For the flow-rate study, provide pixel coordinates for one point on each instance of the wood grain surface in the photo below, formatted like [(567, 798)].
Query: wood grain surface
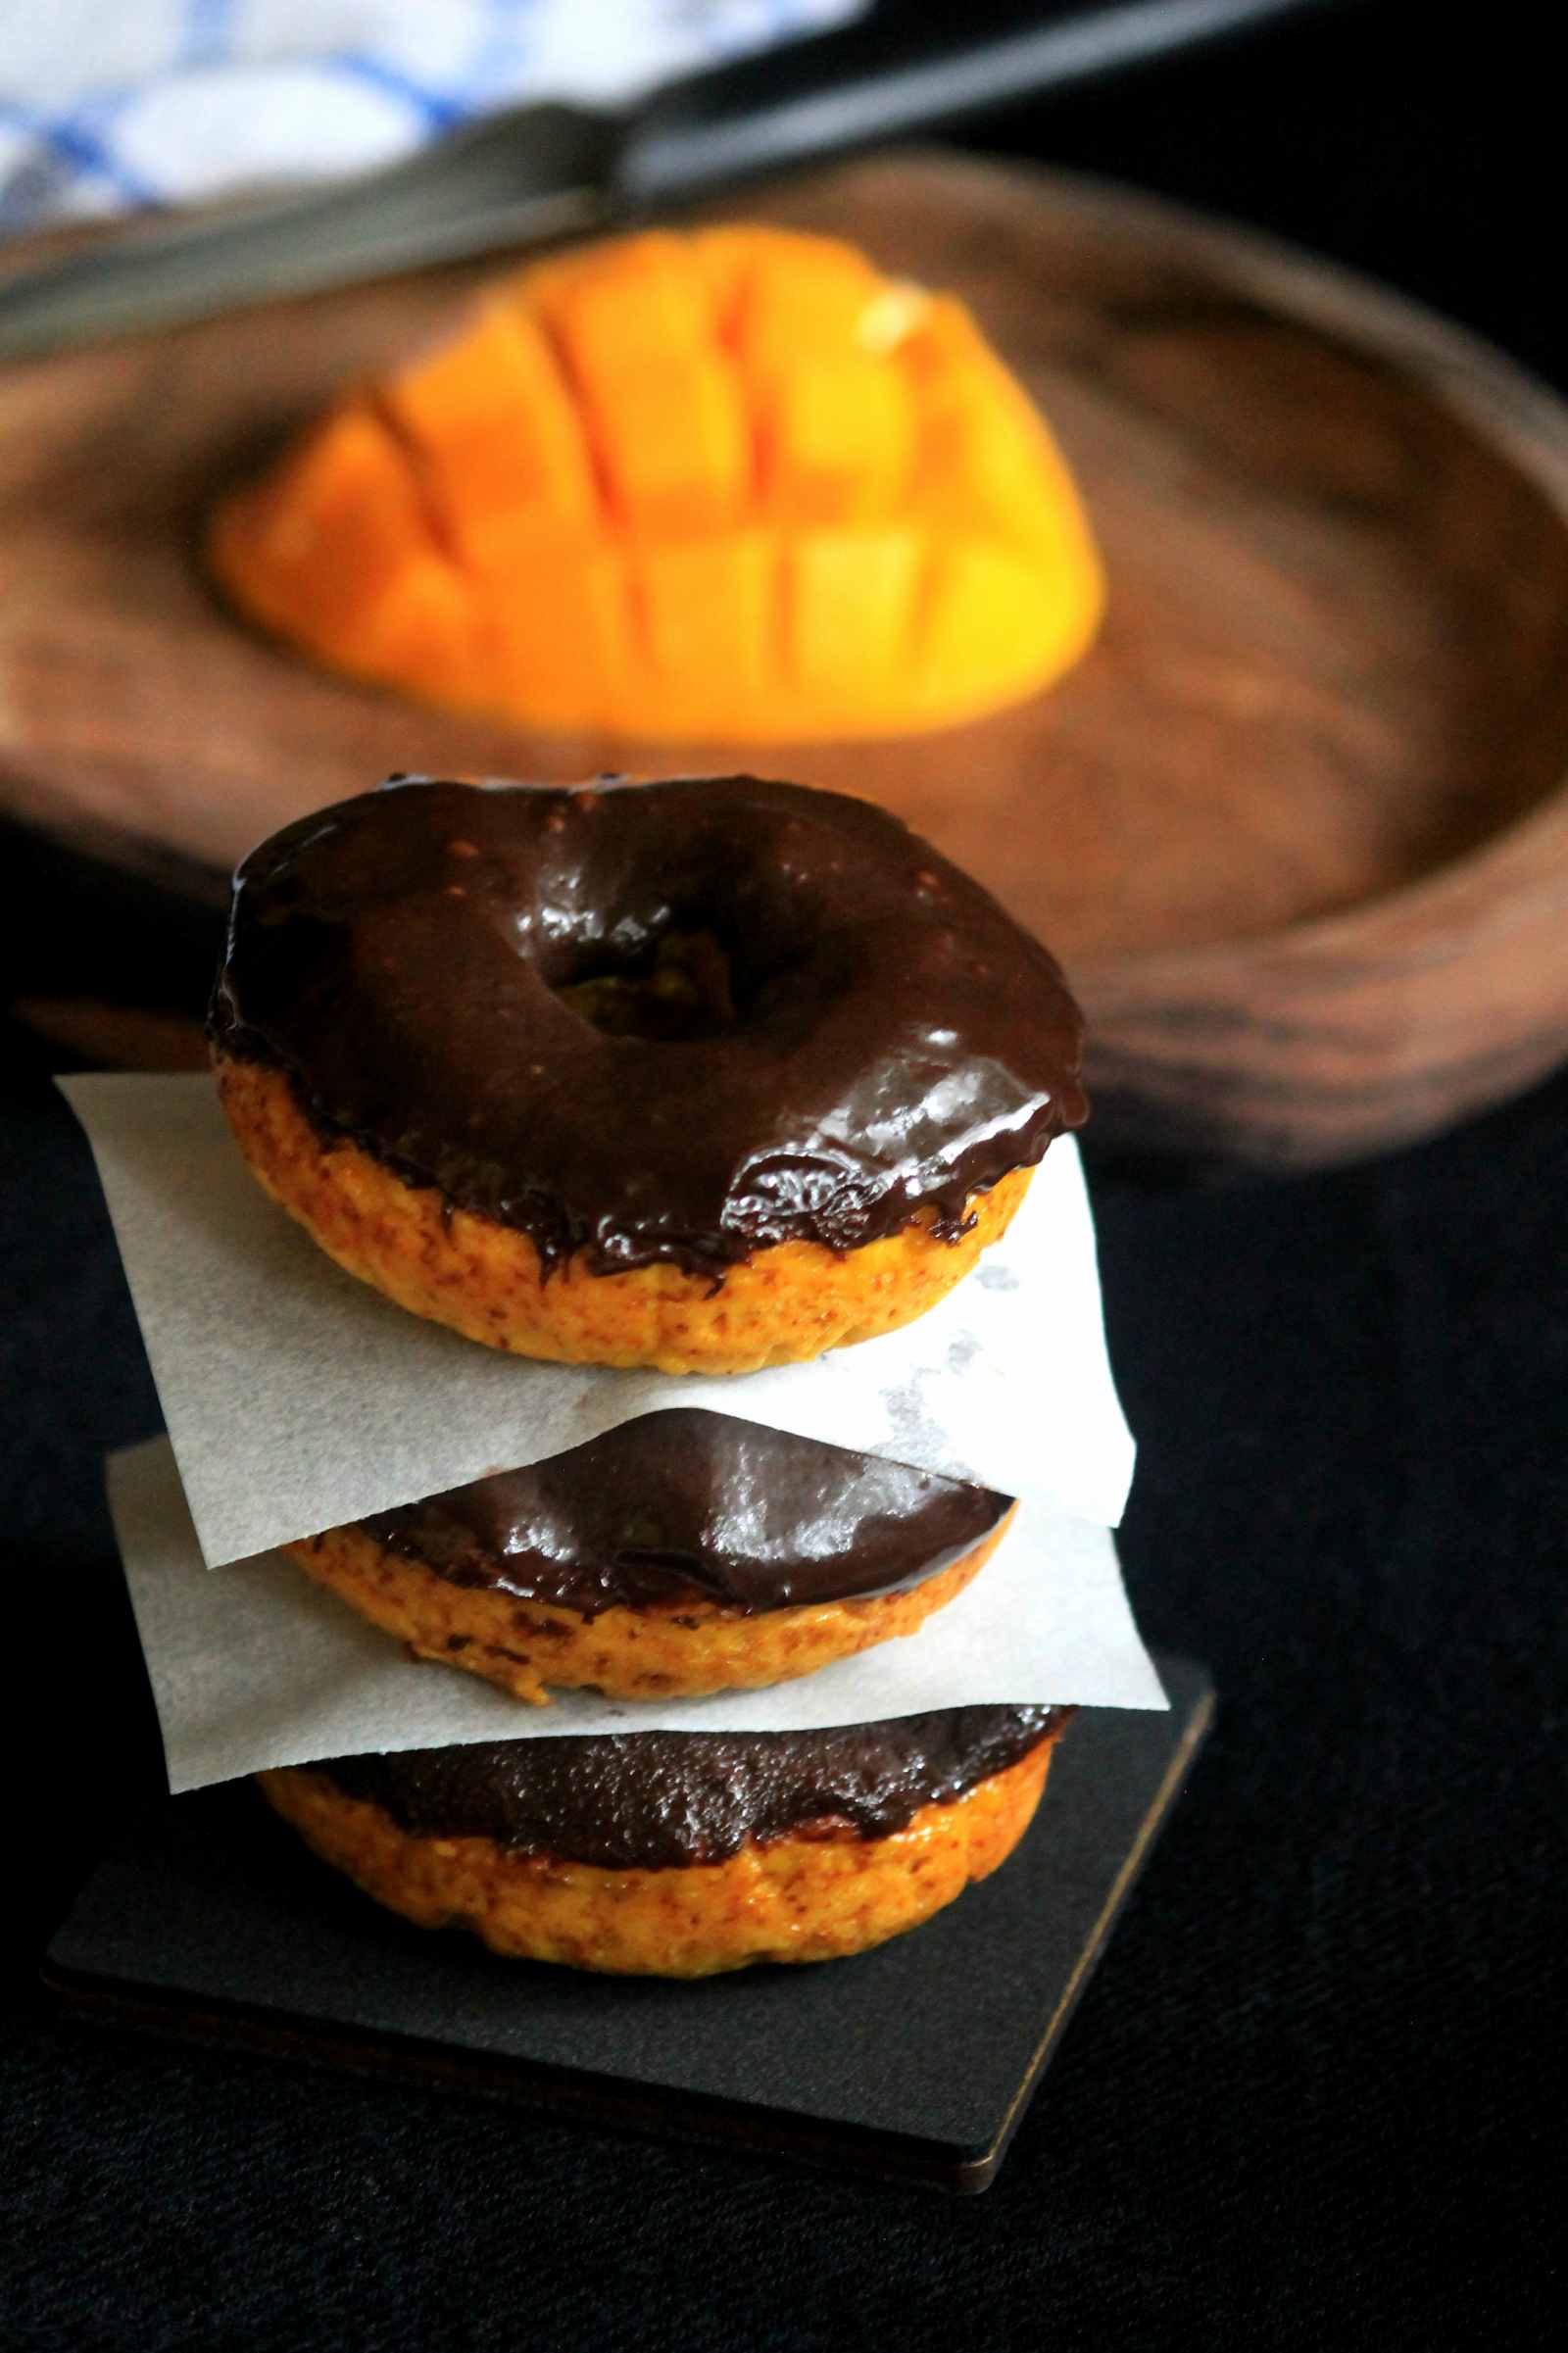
[(1298, 827)]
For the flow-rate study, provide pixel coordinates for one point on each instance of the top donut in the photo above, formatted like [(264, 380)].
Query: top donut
[(705, 1074), (728, 485)]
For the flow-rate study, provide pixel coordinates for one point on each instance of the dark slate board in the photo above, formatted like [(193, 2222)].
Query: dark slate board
[(916, 2060)]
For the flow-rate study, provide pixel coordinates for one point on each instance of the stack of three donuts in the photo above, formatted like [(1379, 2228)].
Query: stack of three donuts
[(692, 1130)]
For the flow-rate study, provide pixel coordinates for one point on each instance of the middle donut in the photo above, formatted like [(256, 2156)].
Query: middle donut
[(681, 1554)]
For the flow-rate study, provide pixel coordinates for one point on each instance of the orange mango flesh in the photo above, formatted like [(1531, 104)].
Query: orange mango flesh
[(730, 484)]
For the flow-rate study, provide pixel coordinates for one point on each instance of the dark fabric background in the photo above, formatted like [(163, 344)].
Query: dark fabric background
[(1307, 2099)]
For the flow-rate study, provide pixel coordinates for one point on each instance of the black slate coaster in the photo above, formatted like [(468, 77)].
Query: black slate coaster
[(916, 2060)]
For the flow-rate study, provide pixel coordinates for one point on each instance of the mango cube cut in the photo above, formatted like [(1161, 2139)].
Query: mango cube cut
[(735, 483)]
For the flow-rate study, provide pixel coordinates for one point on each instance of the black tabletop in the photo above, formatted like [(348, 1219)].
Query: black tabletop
[(1306, 2097)]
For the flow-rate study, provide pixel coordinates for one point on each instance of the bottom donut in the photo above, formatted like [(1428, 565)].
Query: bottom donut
[(682, 1854)]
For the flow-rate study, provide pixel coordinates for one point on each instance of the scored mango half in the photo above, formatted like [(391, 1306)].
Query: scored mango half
[(733, 484)]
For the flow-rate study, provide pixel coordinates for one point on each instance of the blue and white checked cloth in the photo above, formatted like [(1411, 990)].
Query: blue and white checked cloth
[(106, 105)]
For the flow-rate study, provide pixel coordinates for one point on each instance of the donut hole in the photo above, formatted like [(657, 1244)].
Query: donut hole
[(682, 986)]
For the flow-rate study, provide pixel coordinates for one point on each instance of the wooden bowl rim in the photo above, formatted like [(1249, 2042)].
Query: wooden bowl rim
[(1492, 394)]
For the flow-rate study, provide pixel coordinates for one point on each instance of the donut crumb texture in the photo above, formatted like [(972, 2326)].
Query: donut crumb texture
[(788, 1302), (814, 1895), (677, 1649)]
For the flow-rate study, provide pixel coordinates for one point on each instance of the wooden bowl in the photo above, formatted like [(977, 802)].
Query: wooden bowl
[(1298, 827)]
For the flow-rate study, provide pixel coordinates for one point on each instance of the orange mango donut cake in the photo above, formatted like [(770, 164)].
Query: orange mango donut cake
[(730, 484), (682, 1553), (681, 1854), (705, 1075)]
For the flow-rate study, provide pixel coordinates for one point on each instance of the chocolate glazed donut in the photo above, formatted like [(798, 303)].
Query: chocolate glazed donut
[(683, 1853), (682, 1553), (706, 1074)]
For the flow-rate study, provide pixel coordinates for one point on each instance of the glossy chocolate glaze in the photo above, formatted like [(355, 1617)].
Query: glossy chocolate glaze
[(691, 1503), (874, 1037), (654, 1800)]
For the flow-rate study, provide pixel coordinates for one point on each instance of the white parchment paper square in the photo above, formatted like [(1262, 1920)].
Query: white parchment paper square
[(297, 1399), (262, 1667)]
